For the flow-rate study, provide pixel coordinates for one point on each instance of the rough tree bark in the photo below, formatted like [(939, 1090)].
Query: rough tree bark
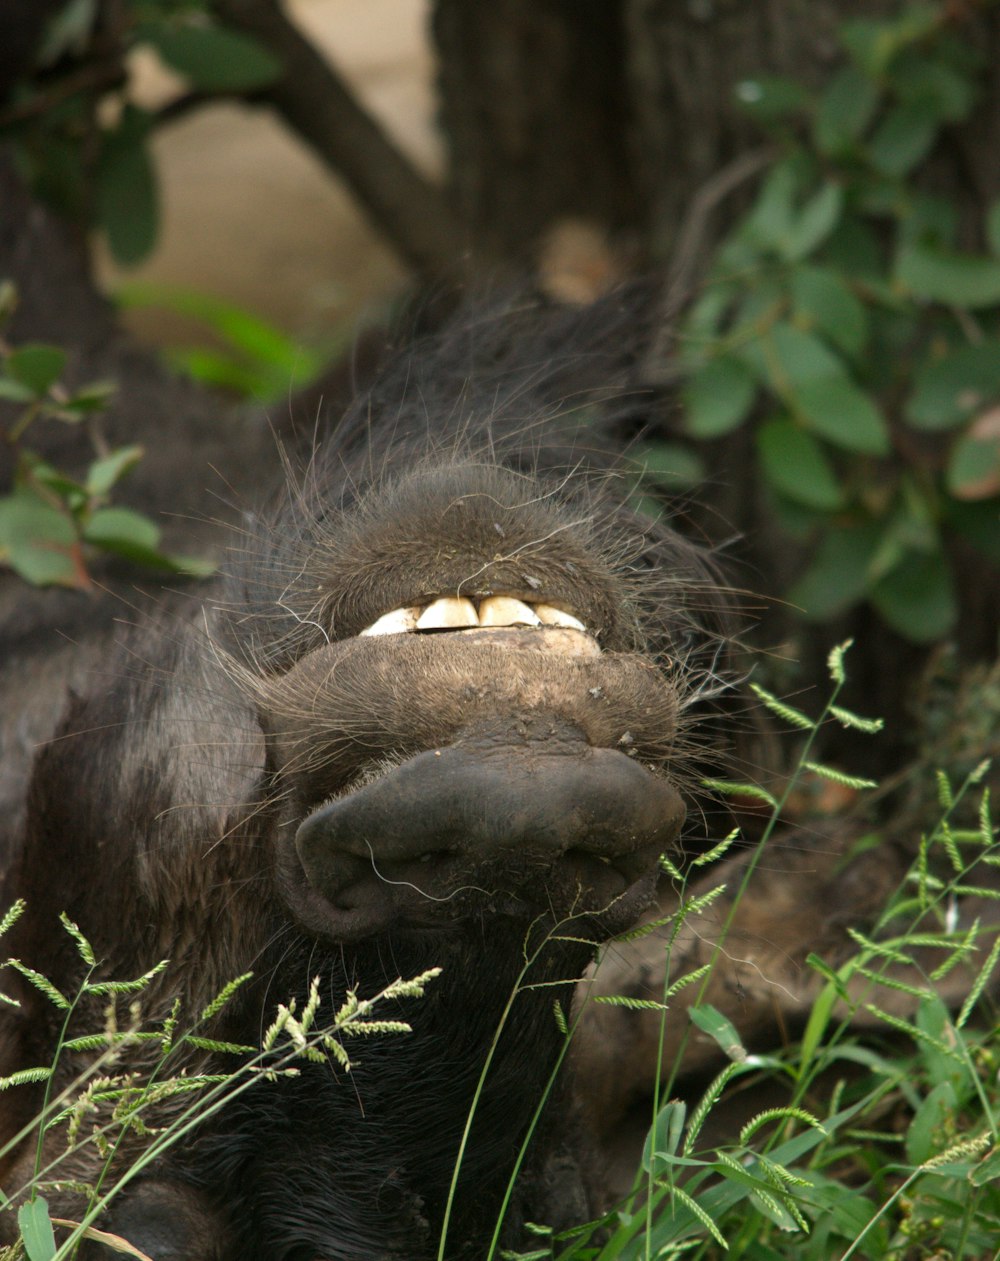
[(620, 111), (534, 107)]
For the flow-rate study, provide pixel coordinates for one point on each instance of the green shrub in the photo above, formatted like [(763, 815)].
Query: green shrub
[(843, 321)]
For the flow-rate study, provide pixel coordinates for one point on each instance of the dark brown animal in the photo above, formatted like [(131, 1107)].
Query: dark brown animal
[(435, 718)]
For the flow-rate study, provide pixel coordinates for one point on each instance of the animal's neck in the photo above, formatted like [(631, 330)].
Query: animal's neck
[(377, 1148)]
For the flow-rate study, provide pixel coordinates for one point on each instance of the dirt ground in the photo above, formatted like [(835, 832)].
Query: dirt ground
[(251, 216)]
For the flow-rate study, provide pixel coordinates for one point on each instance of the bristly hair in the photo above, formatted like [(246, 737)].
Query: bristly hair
[(510, 382)]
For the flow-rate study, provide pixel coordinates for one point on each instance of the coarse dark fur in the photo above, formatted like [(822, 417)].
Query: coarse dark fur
[(161, 812)]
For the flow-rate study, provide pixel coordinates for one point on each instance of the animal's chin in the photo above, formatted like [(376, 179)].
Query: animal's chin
[(467, 832)]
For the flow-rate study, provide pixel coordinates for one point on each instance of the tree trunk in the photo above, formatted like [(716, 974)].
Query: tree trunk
[(620, 111), (534, 105)]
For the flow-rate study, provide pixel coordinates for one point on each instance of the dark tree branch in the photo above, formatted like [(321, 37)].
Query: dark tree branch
[(99, 76), (191, 102), (316, 103)]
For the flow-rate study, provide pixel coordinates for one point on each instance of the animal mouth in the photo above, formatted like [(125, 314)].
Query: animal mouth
[(533, 798)]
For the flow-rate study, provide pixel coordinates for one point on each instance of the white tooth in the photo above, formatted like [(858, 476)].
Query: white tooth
[(398, 622), (556, 617), (504, 610), (448, 612)]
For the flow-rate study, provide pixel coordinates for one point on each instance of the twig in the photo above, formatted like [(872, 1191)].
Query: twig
[(687, 254), (102, 76), (181, 106)]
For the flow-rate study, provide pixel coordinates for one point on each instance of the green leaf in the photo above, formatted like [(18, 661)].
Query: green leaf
[(67, 31), (728, 1168), (796, 465), (718, 397), (103, 474), (823, 299), (259, 340), (854, 249), (707, 312), (845, 110), (711, 1021), (836, 408), (974, 468), (36, 1230), (91, 398), (874, 43), (664, 1136), (848, 1215), (220, 369), (770, 218), (672, 465), (125, 194), (949, 92), (813, 223), (647, 506), (938, 275), (70, 492), (941, 1059), (123, 531), (136, 538), (737, 254), (795, 519), (771, 97), (768, 1204), (786, 356), (904, 137), (917, 597), (838, 574), (214, 59), (266, 361), (877, 196), (36, 367), (813, 381), (15, 392), (37, 541), (987, 1171), (779, 221), (948, 390), (762, 302), (912, 525)]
